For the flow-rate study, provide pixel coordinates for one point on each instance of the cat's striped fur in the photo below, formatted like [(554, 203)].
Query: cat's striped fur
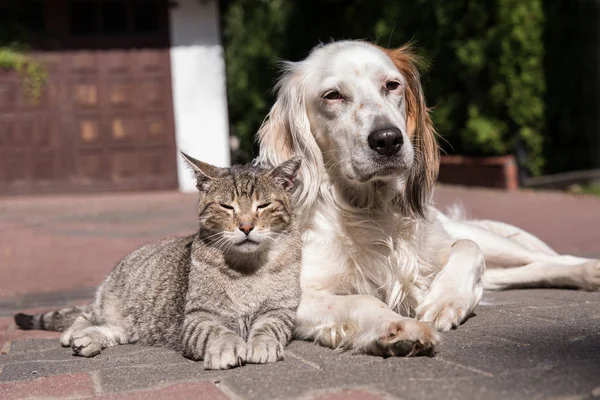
[(227, 294)]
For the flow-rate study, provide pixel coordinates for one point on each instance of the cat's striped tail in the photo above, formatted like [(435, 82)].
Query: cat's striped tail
[(58, 320)]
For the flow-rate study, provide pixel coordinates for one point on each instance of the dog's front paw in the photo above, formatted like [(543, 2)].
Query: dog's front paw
[(589, 275), (262, 350), (448, 310), (340, 335), (443, 316), (405, 338), (225, 352)]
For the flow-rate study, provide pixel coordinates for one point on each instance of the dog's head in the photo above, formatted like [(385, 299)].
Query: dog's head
[(356, 112)]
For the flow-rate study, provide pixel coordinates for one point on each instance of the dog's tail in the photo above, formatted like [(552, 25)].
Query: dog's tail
[(58, 320), (457, 212)]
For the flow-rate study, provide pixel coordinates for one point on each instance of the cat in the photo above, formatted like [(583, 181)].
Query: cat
[(226, 295)]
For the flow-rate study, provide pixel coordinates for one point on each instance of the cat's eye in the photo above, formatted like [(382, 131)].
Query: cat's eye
[(226, 206), (263, 205)]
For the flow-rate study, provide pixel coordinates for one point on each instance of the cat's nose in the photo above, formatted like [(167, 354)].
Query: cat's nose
[(246, 228)]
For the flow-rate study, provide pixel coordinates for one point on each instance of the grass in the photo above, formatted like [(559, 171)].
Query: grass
[(591, 188)]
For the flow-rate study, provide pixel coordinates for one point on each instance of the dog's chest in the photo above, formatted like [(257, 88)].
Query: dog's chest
[(365, 253)]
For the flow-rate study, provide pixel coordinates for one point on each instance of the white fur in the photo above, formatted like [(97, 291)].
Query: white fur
[(369, 266)]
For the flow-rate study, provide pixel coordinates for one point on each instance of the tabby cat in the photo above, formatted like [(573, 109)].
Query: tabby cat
[(227, 294)]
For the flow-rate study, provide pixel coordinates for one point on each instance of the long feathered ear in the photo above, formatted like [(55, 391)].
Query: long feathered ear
[(421, 181), (286, 132)]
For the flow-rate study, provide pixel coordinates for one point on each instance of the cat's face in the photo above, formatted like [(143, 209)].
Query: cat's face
[(244, 209)]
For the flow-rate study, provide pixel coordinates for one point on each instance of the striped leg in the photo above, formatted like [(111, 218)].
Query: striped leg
[(206, 338), (270, 333), (88, 340)]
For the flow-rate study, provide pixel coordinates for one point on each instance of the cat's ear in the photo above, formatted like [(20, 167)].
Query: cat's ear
[(285, 173), (204, 172)]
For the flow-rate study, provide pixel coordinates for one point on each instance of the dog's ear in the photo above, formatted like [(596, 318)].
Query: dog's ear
[(421, 181), (286, 132)]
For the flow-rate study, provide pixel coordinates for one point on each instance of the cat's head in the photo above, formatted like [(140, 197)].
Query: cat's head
[(244, 208)]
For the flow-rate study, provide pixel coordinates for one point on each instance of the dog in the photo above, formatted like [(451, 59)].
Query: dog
[(383, 270)]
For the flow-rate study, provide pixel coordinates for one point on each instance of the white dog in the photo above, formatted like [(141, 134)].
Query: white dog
[(382, 267)]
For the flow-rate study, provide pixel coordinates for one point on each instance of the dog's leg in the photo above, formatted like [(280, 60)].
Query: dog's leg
[(361, 322), (457, 288), (531, 268), (585, 276), (515, 234)]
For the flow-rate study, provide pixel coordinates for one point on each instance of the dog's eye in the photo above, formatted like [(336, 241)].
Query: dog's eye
[(332, 95), (226, 206), (392, 85), (264, 205)]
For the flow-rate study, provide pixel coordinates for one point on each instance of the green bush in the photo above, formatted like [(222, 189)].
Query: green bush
[(14, 51), (32, 73), (572, 140), (254, 38), (486, 81)]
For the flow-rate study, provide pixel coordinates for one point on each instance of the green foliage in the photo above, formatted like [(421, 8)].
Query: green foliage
[(572, 140), (486, 82), (255, 37), (32, 73), (14, 51)]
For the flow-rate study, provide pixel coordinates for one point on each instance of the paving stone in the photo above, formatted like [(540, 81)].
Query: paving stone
[(537, 383), (5, 323), (59, 297), (566, 222), (36, 305), (18, 334), (180, 391), (33, 345), (352, 394), (534, 298), (27, 371), (76, 385), (572, 313), (320, 357), (19, 366), (6, 328), (347, 363), (129, 378), (526, 344), (524, 347), (258, 383)]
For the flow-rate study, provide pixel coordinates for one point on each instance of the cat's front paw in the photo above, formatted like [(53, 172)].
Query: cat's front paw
[(85, 345), (262, 350), (225, 352)]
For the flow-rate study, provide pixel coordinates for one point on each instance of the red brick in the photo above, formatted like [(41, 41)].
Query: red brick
[(61, 386), (7, 327), (4, 343), (23, 335), (5, 323), (352, 394), (62, 261), (500, 172), (179, 391)]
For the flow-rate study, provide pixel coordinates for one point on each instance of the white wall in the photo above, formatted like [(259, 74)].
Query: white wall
[(199, 94)]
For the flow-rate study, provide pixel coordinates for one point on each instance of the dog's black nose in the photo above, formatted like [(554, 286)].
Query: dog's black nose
[(386, 141)]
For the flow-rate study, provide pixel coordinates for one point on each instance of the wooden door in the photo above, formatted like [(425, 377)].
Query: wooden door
[(105, 120)]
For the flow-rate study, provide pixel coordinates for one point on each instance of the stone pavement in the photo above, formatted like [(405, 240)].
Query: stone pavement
[(527, 344)]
